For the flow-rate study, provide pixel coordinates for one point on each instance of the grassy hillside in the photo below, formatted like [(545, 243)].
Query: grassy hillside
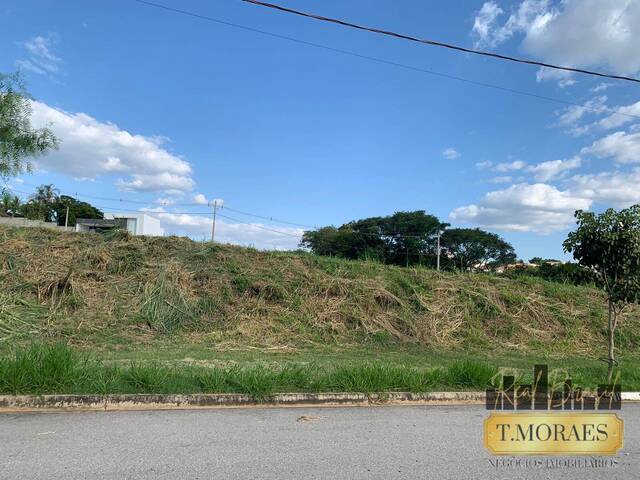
[(173, 315), (114, 291)]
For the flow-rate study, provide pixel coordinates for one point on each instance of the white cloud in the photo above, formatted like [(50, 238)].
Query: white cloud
[(618, 189), (621, 116), (503, 179), (578, 33), (623, 147), (450, 153), (484, 165), (544, 74), (543, 208), (254, 234), (601, 87), (489, 33), (160, 182), (510, 166), (555, 168), (90, 148), (571, 117), (523, 207), (484, 23), (41, 59), (567, 83), (200, 199)]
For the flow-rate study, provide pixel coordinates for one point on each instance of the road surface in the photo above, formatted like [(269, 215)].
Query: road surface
[(274, 443)]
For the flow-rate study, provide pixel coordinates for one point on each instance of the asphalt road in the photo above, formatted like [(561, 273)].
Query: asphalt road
[(326, 443)]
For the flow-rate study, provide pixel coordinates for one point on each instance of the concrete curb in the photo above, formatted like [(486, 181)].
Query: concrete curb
[(9, 403), (31, 403)]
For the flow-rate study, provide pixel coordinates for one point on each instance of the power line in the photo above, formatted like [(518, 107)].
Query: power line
[(272, 219), (437, 43), (259, 226), (378, 59)]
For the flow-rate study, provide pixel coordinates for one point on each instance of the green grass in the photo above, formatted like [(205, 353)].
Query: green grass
[(59, 369)]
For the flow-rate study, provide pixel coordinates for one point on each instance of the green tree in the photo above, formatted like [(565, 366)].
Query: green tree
[(404, 238), (77, 209), (41, 203), (609, 245), (467, 248), (9, 204), (410, 237), (19, 141)]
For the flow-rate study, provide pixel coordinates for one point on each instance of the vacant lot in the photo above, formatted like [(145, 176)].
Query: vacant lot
[(175, 302)]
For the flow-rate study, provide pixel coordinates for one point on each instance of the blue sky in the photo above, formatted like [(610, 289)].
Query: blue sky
[(155, 106)]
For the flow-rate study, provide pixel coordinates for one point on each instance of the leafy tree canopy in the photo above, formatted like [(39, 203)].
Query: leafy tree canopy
[(468, 248), (409, 238), (609, 245), (48, 205), (19, 141), (9, 204), (77, 209), (402, 238)]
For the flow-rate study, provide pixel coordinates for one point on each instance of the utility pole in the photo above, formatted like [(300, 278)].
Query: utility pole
[(66, 219), (213, 226), (438, 256)]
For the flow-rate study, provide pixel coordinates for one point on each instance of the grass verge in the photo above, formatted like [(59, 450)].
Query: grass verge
[(59, 369)]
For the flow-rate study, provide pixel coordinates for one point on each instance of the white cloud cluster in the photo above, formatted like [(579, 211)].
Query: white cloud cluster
[(546, 171), (523, 207), (603, 34), (622, 147), (574, 118), (571, 117), (510, 166), (577, 33), (90, 148), (484, 25), (544, 208), (41, 59), (529, 14), (619, 189), (621, 116)]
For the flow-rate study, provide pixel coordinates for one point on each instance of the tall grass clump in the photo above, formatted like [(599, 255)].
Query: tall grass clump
[(41, 369), (164, 306), (19, 317), (259, 381), (470, 374)]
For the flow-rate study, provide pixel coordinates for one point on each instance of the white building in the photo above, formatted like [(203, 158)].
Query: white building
[(135, 223)]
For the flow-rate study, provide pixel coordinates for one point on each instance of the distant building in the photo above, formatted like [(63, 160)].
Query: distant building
[(134, 223)]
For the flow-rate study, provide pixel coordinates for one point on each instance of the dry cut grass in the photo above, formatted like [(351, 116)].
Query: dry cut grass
[(97, 290)]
